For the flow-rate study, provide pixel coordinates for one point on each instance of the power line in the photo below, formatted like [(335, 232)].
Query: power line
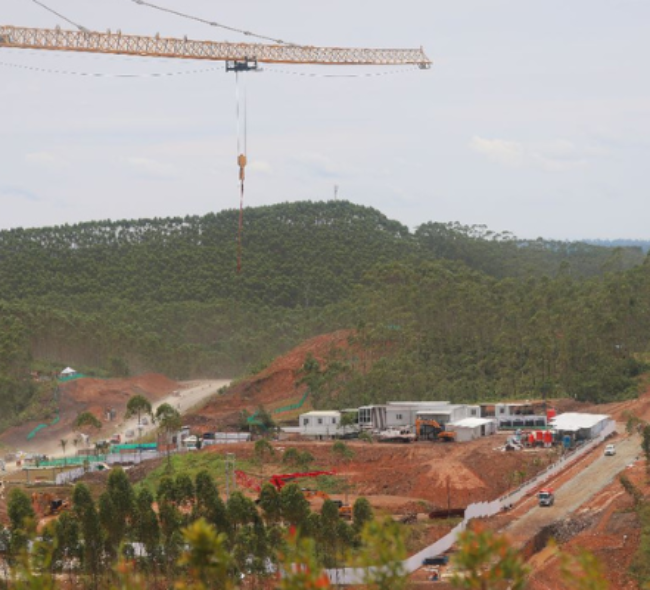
[(65, 18), (102, 75), (212, 23)]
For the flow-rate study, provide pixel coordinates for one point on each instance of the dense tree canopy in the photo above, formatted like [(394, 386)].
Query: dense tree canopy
[(445, 311)]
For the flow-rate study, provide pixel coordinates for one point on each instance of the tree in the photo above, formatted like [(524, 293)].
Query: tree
[(146, 529), (21, 516), (170, 422), (645, 444), (85, 419), (294, 506), (382, 556), (270, 503), (209, 504), (263, 451), (485, 560), (207, 557), (138, 405), (93, 538), (341, 451), (64, 442), (361, 513)]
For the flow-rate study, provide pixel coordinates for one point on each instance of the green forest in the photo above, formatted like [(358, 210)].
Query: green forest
[(445, 311)]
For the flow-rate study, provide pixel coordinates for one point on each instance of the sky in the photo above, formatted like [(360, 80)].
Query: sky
[(534, 118)]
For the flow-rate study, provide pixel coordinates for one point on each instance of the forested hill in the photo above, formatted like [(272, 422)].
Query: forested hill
[(300, 254), (449, 311)]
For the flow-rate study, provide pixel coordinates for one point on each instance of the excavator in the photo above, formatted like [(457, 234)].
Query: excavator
[(429, 429), (45, 504)]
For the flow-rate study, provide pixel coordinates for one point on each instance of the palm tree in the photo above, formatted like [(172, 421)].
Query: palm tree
[(64, 443)]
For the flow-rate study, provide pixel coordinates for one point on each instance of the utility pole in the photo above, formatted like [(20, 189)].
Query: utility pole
[(230, 474)]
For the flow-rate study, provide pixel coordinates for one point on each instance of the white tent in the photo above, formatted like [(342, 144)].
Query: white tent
[(68, 371)]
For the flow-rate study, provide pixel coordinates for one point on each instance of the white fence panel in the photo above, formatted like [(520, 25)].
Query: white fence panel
[(350, 576)]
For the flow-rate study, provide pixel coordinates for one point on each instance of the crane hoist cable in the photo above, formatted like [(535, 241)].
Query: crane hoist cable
[(242, 149), (65, 18), (213, 23)]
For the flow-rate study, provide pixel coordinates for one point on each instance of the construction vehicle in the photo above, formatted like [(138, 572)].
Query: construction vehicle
[(45, 504), (429, 429), (546, 497)]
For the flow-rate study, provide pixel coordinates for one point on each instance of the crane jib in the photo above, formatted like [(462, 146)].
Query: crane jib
[(143, 46)]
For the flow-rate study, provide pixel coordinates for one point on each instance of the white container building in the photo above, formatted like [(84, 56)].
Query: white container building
[(320, 424)]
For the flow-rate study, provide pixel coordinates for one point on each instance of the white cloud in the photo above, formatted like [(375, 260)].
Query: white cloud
[(260, 166), (47, 160), (318, 165), (150, 167), (15, 192), (552, 156), (508, 153)]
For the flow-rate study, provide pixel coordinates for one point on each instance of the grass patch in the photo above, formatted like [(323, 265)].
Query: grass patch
[(191, 464)]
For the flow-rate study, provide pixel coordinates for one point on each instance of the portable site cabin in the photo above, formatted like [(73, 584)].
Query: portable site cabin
[(444, 414), (515, 415), (472, 428), (579, 427), (321, 424), (372, 417), (405, 413)]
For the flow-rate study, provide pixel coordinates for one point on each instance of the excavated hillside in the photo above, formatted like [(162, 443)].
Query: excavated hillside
[(275, 387), (87, 394)]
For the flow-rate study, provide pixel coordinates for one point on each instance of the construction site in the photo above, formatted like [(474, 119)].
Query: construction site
[(427, 485)]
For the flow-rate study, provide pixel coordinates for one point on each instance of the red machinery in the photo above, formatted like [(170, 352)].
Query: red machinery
[(279, 481)]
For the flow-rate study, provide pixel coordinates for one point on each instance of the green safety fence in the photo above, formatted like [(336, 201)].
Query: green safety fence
[(72, 461), (134, 447), (71, 377), (40, 427), (252, 419)]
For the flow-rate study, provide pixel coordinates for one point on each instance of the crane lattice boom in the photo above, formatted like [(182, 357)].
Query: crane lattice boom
[(116, 43)]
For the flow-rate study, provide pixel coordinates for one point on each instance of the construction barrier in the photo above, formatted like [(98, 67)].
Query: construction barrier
[(351, 576)]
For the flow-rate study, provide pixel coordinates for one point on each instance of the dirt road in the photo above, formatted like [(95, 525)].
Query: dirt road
[(191, 394), (572, 494), (187, 396)]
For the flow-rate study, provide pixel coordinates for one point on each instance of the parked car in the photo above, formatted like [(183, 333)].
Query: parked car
[(610, 450), (144, 421), (129, 434)]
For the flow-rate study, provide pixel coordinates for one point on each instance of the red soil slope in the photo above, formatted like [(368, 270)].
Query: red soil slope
[(274, 386)]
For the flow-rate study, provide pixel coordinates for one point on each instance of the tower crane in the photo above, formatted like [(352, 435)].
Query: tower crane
[(239, 57)]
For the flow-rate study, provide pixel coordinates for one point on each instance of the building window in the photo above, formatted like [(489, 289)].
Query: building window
[(333, 420), (305, 421), (398, 416), (320, 420), (502, 410), (473, 412)]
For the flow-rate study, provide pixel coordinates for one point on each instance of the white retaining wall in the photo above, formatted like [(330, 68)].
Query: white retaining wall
[(350, 576)]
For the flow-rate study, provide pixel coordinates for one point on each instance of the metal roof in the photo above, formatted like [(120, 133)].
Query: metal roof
[(471, 422), (322, 413), (574, 421)]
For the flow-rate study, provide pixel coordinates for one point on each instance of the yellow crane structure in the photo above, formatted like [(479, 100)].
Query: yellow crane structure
[(236, 55), (239, 57)]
